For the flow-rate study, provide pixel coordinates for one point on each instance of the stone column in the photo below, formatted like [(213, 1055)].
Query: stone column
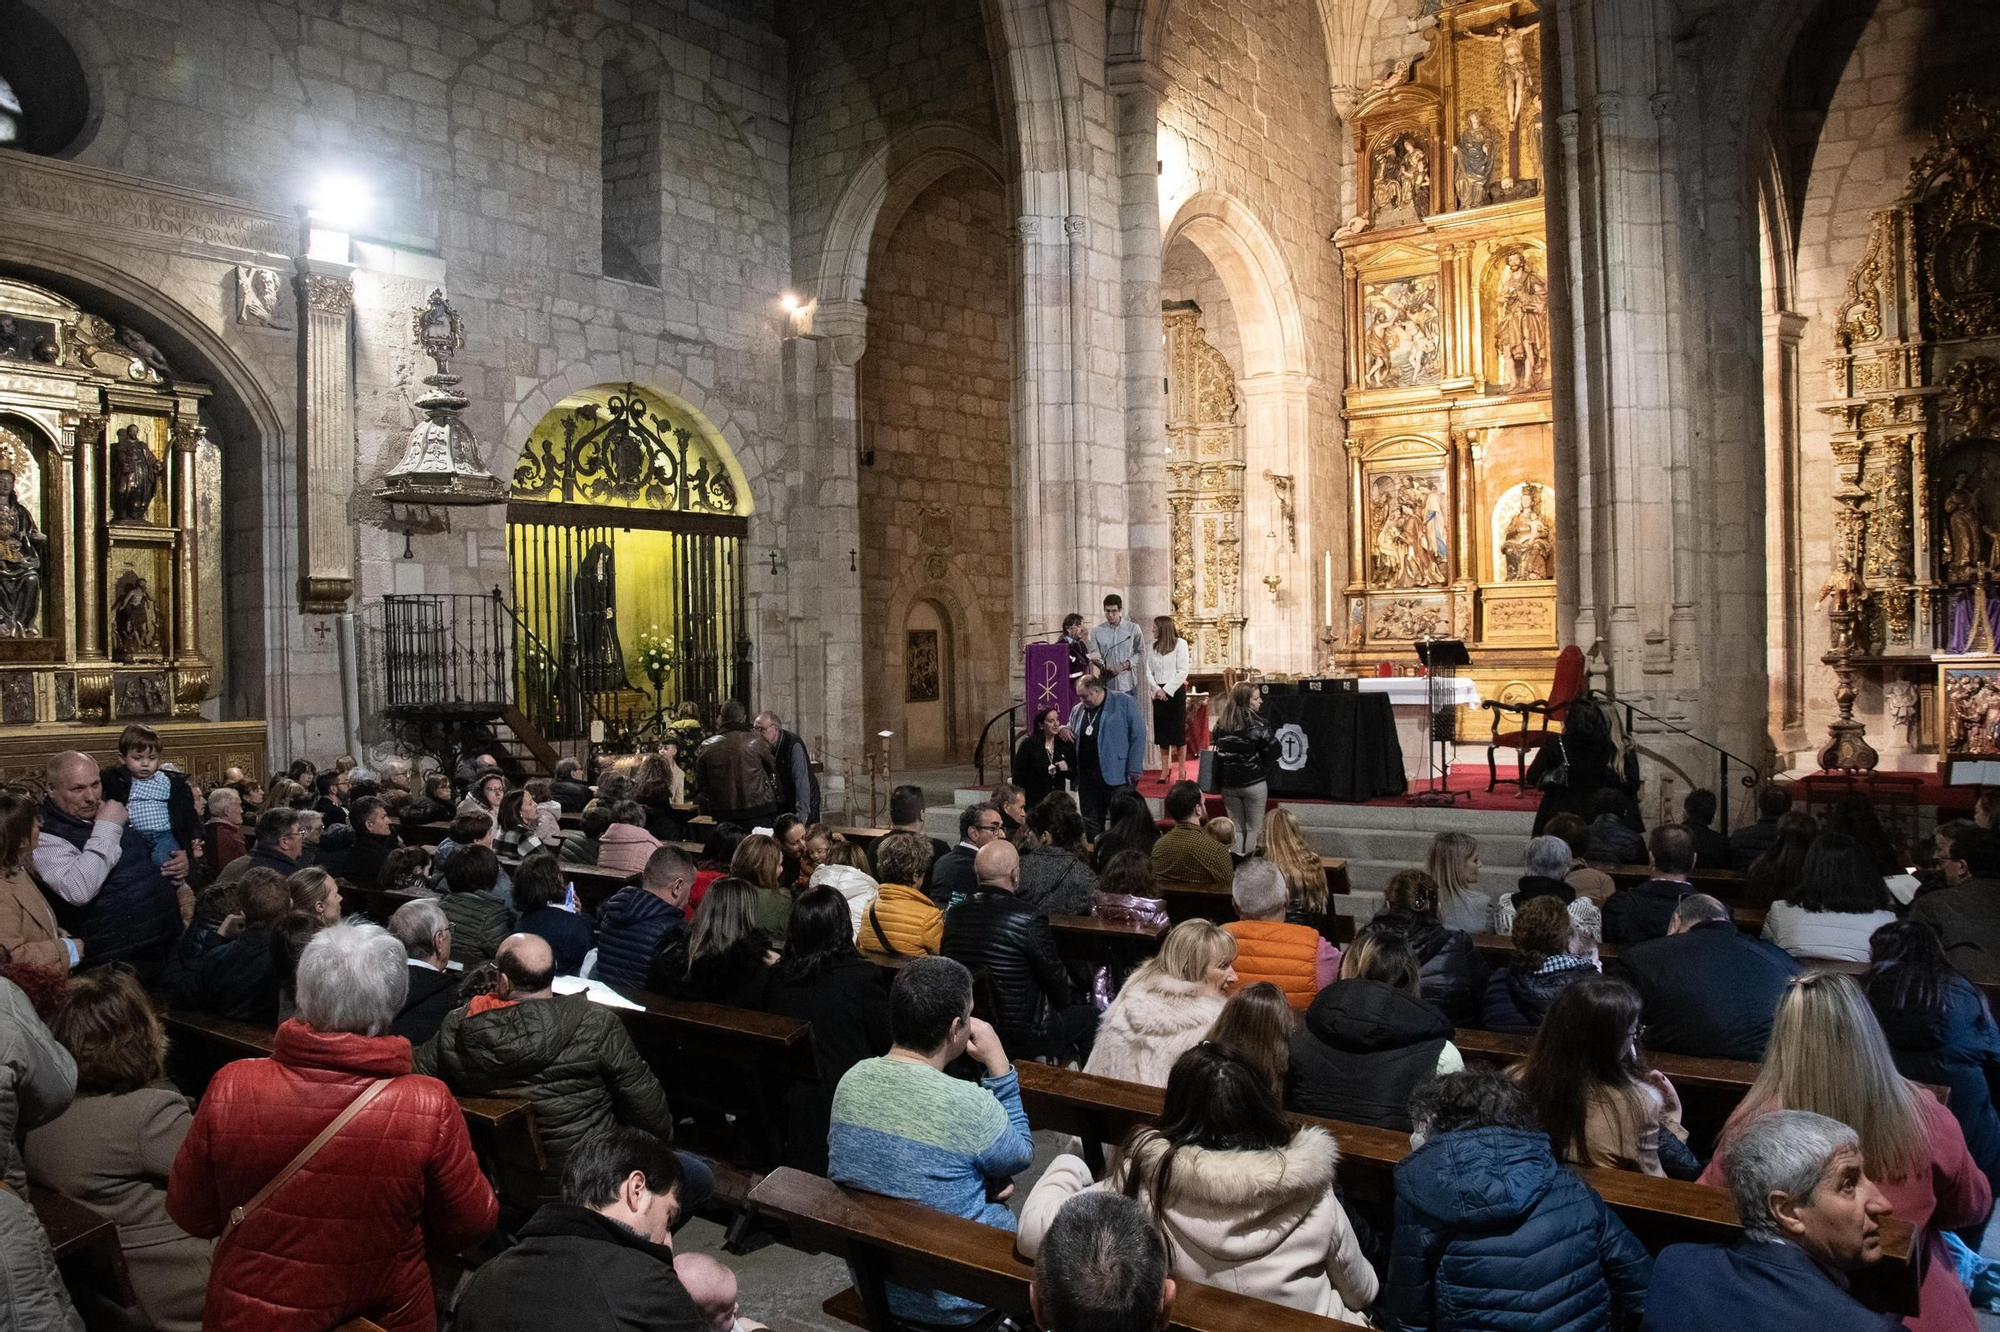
[(1618, 421), (1277, 427), (820, 370), (1136, 88), (1786, 659), (326, 436)]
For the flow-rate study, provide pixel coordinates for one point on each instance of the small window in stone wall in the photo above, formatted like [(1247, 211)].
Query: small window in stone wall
[(631, 175)]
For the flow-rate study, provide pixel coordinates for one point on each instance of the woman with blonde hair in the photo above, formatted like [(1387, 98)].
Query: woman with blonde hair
[(1827, 1054), (315, 893), (1454, 863), (1305, 877), (761, 861), (1257, 1023), (1167, 1006), (1167, 668)]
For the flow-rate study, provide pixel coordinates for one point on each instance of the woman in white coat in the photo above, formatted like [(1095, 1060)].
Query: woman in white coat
[(1167, 1005), (1167, 667), (1245, 1201)]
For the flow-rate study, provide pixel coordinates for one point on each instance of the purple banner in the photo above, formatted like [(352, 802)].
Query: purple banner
[(1049, 685)]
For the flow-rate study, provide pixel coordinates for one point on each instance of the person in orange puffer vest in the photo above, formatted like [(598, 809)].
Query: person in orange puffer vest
[(1295, 958)]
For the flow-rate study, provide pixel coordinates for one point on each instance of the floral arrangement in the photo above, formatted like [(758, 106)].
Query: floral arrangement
[(657, 655)]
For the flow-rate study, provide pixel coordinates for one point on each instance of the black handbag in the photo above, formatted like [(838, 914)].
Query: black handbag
[(1557, 778)]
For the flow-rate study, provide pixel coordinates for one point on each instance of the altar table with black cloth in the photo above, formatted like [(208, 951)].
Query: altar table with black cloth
[(1351, 749)]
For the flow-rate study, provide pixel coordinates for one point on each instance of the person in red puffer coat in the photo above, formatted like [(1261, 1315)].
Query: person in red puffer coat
[(345, 1236)]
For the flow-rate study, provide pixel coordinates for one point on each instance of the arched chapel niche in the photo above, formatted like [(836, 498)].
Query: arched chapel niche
[(936, 474)]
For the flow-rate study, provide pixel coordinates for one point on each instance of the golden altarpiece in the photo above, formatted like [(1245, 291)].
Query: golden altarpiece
[(1912, 597), (1451, 460), (110, 544), (1205, 470)]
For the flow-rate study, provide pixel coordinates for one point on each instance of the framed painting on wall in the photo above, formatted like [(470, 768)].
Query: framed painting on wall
[(920, 663), (1968, 710)]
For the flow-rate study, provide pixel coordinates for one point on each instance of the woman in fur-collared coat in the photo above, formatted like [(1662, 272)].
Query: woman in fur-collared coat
[(1256, 1217), (1166, 1006)]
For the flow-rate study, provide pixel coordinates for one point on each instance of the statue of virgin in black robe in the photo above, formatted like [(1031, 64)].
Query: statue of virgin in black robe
[(600, 662)]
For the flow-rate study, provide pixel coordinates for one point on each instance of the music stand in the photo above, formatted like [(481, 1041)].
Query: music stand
[(1441, 658)]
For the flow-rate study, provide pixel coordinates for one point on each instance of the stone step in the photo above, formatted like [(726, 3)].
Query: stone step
[(1409, 847), (1363, 904), (1372, 876)]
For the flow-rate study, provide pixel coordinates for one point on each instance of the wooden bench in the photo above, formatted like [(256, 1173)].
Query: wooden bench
[(890, 1239), (1659, 1211), (1196, 901), (1336, 874), (422, 834), (1725, 885), (496, 1124), (92, 1261), (1093, 939)]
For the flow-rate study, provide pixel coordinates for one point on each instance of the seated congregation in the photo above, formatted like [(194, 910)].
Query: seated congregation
[(469, 1048)]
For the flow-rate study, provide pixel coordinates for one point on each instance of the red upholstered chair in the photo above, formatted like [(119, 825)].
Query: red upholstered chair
[(1566, 689)]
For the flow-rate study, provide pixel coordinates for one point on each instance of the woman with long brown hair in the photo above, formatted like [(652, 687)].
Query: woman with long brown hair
[(1257, 1023), (1244, 749), (1167, 667), (1595, 1097), (760, 861), (28, 929), (1827, 1054)]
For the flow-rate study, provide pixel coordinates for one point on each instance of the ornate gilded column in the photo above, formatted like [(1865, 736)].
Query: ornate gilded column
[(326, 436), (187, 646), (89, 555), (1847, 746)]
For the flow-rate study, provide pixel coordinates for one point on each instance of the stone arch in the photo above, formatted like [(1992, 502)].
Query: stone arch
[(577, 376), (1253, 269), (256, 446), (949, 595), (882, 189), (1136, 29), (1276, 414)]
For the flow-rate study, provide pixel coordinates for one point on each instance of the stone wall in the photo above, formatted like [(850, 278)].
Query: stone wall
[(1247, 123), (476, 132), (936, 512)]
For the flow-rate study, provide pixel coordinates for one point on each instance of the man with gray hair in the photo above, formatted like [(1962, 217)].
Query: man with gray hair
[(1708, 989), (110, 898), (1102, 1268), (395, 1179), (1291, 956), (1811, 1217), (424, 931), (1545, 866)]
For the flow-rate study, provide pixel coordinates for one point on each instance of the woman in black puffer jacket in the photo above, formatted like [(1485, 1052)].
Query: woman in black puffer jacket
[(1453, 973), (1368, 1041)]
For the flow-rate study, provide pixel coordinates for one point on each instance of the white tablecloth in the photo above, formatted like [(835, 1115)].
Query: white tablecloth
[(1414, 691)]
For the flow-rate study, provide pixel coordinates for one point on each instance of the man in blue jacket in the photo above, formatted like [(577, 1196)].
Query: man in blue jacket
[(1811, 1216), (1110, 739)]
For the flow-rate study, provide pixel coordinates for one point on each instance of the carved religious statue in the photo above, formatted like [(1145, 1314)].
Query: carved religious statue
[(1474, 153), (1513, 41), (1531, 140), (600, 659), (1971, 712), (1527, 544), (1403, 178), (1523, 326), (135, 476), (22, 551), (1963, 529), (135, 622)]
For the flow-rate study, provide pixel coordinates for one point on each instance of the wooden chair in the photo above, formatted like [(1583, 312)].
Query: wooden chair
[(1565, 690)]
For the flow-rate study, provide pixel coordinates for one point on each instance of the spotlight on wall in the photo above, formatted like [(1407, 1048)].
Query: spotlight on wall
[(799, 311), (341, 202)]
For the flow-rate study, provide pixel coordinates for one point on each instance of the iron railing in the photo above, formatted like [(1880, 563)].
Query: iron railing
[(446, 651), (1006, 759), (1723, 757)]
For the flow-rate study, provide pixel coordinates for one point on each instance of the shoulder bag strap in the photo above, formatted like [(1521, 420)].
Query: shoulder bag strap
[(876, 925), (238, 1215)]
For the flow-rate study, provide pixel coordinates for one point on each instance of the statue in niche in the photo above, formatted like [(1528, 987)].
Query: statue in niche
[(1523, 326), (1513, 41), (1474, 153), (22, 553), (1402, 179), (135, 476), (1962, 531), (1527, 543), (1531, 139), (600, 661), (135, 621)]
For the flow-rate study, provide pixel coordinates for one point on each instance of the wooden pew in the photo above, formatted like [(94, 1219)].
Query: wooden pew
[(1336, 874), (865, 838), (1658, 1211), (1092, 939), (422, 834), (890, 1239), (1725, 885), (1194, 901), (205, 1043)]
